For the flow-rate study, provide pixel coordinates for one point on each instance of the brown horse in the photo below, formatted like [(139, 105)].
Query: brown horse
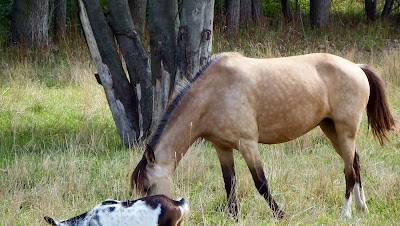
[(237, 102)]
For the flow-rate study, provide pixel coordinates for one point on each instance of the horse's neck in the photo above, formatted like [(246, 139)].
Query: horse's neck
[(179, 134)]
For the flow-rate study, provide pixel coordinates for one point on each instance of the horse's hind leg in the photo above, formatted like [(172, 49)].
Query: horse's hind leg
[(249, 151), (358, 189), (343, 140), (226, 160)]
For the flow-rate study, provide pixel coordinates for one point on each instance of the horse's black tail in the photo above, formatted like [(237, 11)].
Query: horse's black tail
[(379, 115)]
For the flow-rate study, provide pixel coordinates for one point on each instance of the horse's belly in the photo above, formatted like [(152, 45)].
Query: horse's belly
[(281, 135), (288, 126)]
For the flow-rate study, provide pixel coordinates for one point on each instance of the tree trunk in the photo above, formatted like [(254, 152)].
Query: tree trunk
[(287, 12), (207, 33), (18, 21), (138, 12), (119, 93), (387, 8), (246, 17), (60, 19), (319, 13), (233, 16), (193, 46), (370, 9), (256, 11), (137, 61), (163, 26), (29, 23), (194, 37)]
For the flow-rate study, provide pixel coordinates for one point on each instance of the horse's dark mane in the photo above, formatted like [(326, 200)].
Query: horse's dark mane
[(175, 101)]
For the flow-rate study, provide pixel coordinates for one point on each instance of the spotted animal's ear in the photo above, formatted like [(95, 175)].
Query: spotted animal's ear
[(151, 159), (50, 221)]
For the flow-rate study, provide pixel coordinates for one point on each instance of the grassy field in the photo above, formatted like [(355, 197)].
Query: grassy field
[(60, 154)]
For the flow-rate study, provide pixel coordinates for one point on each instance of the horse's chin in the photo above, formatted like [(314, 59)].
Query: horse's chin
[(168, 194)]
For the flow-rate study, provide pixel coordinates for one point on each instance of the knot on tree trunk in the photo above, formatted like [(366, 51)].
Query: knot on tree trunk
[(206, 34)]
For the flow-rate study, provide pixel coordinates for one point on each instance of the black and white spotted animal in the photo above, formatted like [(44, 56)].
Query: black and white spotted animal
[(147, 211)]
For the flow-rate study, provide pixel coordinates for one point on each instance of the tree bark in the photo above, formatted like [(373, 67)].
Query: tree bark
[(319, 13), (138, 12), (387, 8), (370, 9), (287, 12), (119, 93), (163, 26), (194, 37), (29, 23), (256, 11), (18, 21), (246, 16), (193, 45), (233, 17), (137, 61), (60, 19), (207, 33)]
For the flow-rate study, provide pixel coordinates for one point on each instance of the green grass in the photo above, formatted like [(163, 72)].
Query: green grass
[(60, 154)]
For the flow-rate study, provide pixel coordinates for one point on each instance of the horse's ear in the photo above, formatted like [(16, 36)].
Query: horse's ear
[(149, 153)]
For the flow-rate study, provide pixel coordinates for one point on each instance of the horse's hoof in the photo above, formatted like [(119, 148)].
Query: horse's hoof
[(279, 214), (233, 216), (346, 214), (362, 208), (233, 212)]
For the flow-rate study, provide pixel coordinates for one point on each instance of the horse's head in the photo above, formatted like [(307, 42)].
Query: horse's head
[(149, 178)]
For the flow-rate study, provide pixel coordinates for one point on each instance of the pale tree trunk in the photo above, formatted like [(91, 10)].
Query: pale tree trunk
[(194, 37), (60, 15), (119, 93), (138, 12), (233, 16), (319, 13), (163, 25), (207, 33), (370, 9), (29, 23), (155, 81), (137, 61)]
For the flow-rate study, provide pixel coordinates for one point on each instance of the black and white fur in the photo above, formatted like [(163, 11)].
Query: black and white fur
[(148, 211)]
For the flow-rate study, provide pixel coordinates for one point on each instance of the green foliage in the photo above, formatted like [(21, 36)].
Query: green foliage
[(271, 7), (5, 17)]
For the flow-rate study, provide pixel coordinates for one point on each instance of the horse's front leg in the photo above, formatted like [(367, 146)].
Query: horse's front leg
[(249, 151), (226, 160)]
